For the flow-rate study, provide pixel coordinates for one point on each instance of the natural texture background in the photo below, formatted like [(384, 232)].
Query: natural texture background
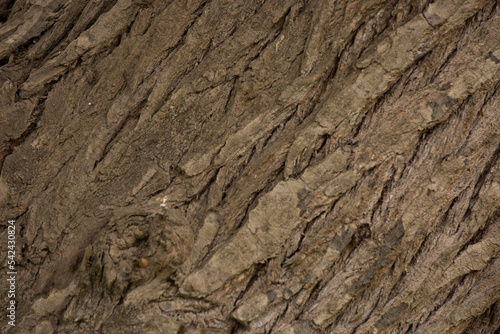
[(321, 166)]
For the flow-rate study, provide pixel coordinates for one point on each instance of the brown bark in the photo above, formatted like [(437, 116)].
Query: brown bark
[(251, 166)]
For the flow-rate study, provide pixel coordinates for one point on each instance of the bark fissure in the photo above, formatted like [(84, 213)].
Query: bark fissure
[(32, 127)]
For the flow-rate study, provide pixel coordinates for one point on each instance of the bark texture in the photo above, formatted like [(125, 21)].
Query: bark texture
[(217, 166)]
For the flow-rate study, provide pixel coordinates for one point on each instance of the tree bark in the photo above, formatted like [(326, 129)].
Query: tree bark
[(214, 166)]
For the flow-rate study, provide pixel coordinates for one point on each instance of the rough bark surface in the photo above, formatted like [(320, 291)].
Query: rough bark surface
[(321, 166)]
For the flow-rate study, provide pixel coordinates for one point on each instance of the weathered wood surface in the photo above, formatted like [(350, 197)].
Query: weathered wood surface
[(283, 166)]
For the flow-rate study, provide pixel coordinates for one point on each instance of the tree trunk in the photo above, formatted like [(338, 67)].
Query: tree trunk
[(245, 166)]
